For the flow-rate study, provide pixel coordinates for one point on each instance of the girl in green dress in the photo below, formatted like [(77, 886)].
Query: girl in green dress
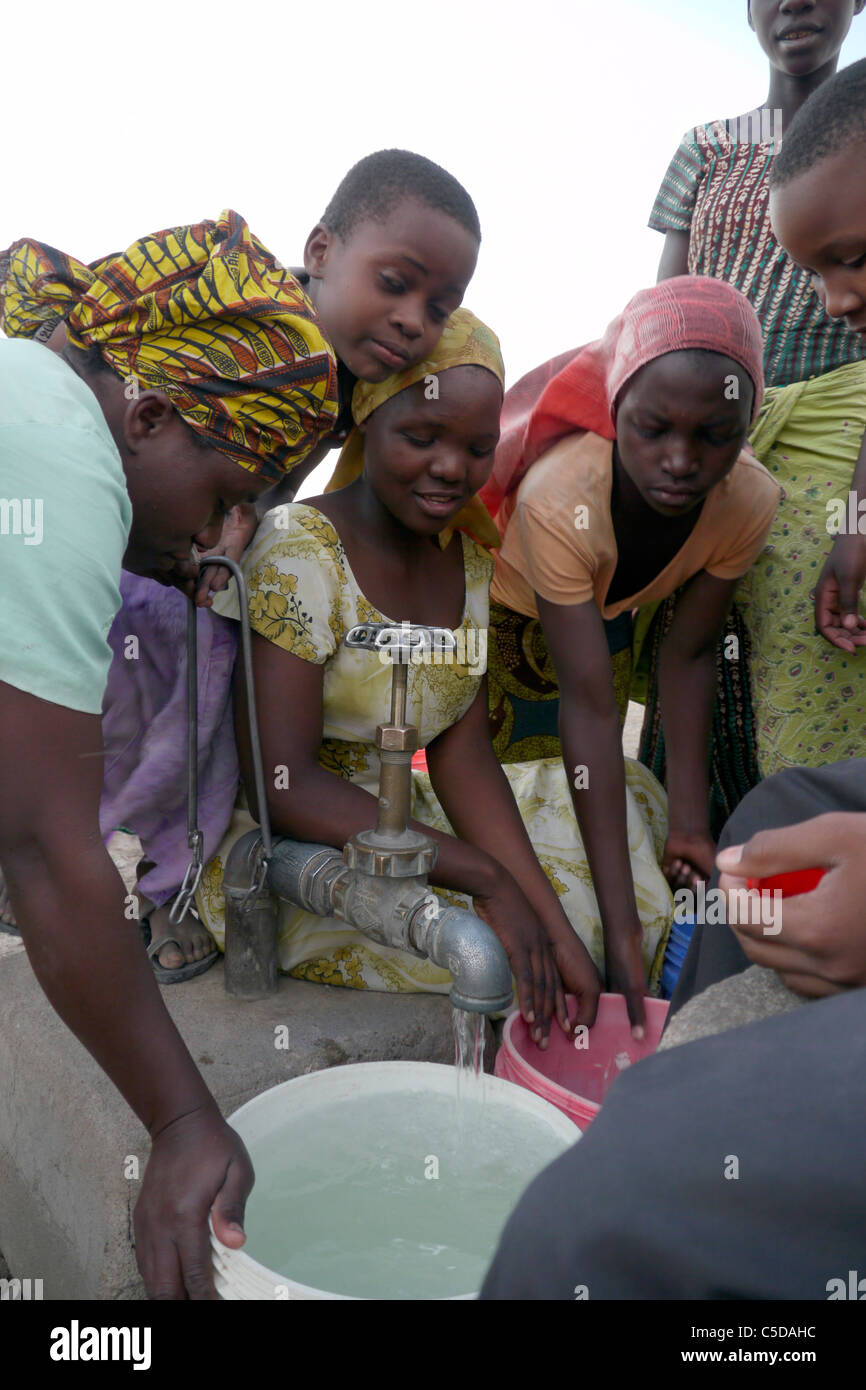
[(797, 694)]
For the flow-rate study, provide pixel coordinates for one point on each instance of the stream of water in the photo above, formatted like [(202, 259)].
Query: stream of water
[(469, 1036)]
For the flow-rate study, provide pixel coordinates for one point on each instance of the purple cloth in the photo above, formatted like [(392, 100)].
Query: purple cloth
[(144, 724)]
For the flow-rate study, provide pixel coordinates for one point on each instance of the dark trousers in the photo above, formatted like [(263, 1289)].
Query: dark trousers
[(732, 1167)]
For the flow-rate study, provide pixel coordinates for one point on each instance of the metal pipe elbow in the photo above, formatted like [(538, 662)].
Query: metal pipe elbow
[(458, 941)]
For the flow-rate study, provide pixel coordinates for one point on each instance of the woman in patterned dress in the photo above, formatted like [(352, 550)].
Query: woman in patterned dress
[(797, 694), (372, 552)]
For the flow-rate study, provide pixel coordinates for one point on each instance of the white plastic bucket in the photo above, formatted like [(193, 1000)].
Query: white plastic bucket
[(237, 1275)]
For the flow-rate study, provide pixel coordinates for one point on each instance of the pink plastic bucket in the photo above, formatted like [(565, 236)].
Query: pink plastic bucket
[(572, 1078)]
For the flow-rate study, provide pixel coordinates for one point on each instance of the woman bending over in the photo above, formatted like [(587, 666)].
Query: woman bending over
[(624, 481)]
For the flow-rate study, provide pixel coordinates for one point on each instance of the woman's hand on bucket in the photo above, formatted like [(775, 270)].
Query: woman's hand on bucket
[(579, 977), (198, 1167), (625, 972), (540, 992)]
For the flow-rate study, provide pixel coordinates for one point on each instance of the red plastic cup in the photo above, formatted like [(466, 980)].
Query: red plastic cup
[(791, 884)]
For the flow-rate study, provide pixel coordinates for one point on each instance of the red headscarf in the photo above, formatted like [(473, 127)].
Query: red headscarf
[(578, 390)]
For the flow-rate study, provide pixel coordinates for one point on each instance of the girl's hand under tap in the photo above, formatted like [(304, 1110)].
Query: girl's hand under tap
[(540, 991)]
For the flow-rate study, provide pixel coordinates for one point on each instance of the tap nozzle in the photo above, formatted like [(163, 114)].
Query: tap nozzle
[(470, 950)]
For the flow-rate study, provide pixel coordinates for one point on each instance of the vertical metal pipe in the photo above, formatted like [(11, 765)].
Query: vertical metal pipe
[(252, 718), (395, 793), (192, 719), (251, 910), (186, 893), (398, 693)]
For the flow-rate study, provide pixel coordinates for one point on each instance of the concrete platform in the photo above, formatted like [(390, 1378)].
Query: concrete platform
[(66, 1136), (753, 995)]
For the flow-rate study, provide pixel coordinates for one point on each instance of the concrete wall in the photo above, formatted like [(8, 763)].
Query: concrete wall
[(66, 1135)]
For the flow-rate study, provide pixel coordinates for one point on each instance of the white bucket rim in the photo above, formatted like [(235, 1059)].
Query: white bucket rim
[(355, 1078)]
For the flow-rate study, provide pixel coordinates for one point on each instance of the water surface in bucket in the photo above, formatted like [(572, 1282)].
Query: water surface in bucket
[(382, 1197)]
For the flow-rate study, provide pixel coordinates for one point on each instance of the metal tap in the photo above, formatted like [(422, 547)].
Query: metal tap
[(393, 849), (379, 883)]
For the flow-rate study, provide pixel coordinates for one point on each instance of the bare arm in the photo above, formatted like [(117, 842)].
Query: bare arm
[(675, 256), (69, 901), (591, 737), (687, 691), (462, 760), (837, 593)]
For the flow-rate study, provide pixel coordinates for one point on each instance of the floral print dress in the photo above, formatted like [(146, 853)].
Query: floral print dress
[(304, 597)]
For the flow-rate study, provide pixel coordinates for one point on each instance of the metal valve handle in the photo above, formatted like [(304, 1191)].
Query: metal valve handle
[(404, 642), (393, 849)]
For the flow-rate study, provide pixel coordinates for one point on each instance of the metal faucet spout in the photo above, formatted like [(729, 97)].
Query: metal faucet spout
[(461, 943), (398, 912)]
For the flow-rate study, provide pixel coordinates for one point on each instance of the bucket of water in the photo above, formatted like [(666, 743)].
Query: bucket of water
[(576, 1078), (377, 1180)]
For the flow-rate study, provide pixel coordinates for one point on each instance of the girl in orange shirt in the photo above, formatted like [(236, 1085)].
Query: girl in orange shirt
[(620, 477)]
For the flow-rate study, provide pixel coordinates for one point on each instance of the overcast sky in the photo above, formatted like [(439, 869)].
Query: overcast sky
[(560, 119)]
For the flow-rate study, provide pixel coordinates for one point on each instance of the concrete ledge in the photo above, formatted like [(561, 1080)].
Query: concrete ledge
[(66, 1135), (755, 994)]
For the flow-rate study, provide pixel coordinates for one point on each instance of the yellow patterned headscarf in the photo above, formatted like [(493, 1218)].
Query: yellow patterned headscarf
[(204, 313), (465, 342)]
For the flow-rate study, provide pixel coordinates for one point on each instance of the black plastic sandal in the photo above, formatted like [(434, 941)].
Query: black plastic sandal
[(163, 973)]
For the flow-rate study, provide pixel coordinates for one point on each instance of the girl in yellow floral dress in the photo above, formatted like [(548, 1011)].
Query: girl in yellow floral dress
[(374, 551)]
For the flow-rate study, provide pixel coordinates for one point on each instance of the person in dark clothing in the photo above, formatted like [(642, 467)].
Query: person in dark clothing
[(731, 1167), (726, 1168)]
